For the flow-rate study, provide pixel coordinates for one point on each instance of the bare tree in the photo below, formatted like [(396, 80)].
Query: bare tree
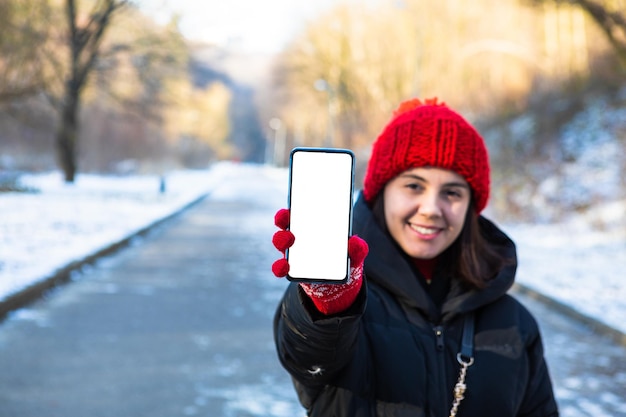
[(342, 78), (85, 36), (21, 26), (610, 16)]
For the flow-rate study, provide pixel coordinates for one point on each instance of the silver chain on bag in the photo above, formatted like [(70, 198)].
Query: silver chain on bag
[(467, 351), (460, 387)]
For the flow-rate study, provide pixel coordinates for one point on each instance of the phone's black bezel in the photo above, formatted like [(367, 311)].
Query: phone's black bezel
[(352, 158)]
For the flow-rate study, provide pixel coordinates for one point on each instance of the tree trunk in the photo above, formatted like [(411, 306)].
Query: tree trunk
[(67, 134), (84, 44)]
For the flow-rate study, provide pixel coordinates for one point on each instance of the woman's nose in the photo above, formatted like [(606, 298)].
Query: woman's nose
[(429, 205)]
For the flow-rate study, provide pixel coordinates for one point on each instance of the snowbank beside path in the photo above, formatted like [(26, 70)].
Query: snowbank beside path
[(577, 267), (44, 231)]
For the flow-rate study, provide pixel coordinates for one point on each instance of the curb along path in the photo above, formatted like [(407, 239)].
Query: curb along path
[(64, 274), (595, 325)]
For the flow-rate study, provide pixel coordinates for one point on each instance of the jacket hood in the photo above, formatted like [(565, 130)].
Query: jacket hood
[(388, 267)]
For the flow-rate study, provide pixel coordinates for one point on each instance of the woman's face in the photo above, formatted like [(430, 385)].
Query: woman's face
[(425, 210)]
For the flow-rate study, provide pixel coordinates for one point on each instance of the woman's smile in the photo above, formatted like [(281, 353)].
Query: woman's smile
[(425, 232)]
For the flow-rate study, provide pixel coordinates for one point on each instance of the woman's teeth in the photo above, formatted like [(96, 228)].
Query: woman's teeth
[(424, 230)]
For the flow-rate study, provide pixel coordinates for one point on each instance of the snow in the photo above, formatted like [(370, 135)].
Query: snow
[(44, 231), (580, 260), (576, 266), (575, 262)]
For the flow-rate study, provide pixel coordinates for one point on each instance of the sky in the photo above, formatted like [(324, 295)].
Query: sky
[(252, 25)]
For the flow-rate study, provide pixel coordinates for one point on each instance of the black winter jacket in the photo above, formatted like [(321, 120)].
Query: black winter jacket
[(393, 352)]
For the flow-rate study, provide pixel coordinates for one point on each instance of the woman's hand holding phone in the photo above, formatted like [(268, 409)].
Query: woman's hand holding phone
[(328, 298)]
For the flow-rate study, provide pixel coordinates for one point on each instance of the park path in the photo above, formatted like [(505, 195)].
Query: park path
[(179, 324)]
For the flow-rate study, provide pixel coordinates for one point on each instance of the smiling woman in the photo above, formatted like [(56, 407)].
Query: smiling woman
[(437, 274)]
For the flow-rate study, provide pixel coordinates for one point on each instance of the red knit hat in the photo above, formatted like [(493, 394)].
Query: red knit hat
[(428, 134)]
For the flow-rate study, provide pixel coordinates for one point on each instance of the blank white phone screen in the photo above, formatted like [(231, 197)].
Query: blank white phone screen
[(320, 202)]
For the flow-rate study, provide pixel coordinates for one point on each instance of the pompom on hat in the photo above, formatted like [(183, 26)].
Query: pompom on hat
[(428, 134)]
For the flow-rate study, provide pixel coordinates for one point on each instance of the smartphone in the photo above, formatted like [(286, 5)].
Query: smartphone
[(321, 184)]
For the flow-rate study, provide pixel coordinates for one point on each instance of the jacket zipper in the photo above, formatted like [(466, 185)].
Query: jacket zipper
[(441, 363), (439, 337)]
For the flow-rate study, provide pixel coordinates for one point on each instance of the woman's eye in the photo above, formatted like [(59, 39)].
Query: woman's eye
[(414, 186), (454, 194)]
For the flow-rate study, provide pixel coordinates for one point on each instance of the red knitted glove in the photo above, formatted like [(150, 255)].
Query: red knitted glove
[(327, 298)]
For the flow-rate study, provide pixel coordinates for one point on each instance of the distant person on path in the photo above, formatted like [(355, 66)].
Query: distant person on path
[(424, 326)]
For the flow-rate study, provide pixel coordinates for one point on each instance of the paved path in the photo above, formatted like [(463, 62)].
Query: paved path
[(179, 324), (588, 369)]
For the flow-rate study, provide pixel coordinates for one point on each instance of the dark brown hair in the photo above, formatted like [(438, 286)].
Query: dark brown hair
[(471, 257)]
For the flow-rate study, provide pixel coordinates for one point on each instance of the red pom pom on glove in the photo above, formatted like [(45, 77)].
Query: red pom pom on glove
[(327, 298)]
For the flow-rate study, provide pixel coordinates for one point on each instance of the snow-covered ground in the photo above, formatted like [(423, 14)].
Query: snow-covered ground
[(576, 264), (42, 232)]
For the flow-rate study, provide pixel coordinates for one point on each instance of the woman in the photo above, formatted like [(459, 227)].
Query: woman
[(424, 327)]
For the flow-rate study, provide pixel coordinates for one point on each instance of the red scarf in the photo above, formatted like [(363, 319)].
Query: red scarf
[(426, 267)]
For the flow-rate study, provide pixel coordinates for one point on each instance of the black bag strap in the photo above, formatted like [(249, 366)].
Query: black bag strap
[(467, 342), (466, 359)]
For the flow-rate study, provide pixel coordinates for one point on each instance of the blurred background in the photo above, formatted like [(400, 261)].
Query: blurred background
[(133, 87)]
